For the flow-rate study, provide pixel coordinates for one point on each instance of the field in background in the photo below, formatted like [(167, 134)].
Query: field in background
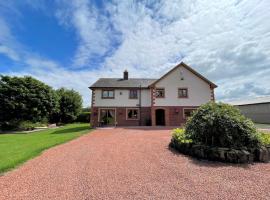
[(263, 126)]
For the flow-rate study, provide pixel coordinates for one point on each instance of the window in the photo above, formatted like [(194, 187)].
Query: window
[(182, 92), (133, 94), (132, 114), (188, 112), (160, 93), (107, 94)]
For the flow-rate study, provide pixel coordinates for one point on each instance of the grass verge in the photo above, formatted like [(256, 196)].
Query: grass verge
[(16, 148)]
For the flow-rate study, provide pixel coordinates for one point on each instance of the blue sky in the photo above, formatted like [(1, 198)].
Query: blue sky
[(71, 43)]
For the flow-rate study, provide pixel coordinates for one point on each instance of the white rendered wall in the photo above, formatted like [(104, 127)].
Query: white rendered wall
[(121, 99), (199, 91)]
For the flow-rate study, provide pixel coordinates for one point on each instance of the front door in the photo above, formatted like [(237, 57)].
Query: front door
[(160, 117), (107, 117)]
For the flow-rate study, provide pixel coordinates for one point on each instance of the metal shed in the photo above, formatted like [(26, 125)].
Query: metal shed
[(257, 109)]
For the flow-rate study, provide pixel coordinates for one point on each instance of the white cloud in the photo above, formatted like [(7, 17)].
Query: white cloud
[(228, 41), (93, 30), (9, 53)]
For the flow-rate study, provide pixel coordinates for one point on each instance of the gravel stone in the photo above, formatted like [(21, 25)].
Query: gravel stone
[(131, 163)]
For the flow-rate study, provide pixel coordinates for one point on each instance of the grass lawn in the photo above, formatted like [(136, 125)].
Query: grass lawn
[(17, 148)]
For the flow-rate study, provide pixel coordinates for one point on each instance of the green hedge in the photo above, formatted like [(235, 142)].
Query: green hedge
[(84, 117), (221, 125)]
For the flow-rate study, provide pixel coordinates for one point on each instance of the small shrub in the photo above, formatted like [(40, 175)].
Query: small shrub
[(26, 126), (265, 138), (84, 117), (221, 125), (180, 136)]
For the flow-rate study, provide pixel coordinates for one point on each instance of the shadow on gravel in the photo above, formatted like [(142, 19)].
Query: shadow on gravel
[(147, 128), (207, 163)]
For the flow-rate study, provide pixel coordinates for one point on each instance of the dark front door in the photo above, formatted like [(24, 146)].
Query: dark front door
[(160, 117), (107, 117)]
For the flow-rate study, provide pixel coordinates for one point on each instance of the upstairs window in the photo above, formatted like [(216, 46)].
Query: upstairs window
[(183, 93), (160, 93), (107, 94), (133, 94), (132, 114)]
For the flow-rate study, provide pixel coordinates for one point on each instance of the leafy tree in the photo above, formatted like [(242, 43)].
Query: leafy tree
[(25, 98), (70, 103)]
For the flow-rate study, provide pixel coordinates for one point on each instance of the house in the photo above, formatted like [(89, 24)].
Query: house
[(166, 101), (257, 109)]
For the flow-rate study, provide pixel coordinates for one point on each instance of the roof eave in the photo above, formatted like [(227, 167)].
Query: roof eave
[(117, 87)]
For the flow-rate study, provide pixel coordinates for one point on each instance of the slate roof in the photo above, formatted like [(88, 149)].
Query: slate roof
[(141, 82), (258, 100), (121, 83)]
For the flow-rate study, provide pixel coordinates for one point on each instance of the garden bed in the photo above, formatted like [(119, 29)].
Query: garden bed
[(260, 154)]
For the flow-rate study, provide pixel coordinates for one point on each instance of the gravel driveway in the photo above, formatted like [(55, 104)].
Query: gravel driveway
[(130, 164)]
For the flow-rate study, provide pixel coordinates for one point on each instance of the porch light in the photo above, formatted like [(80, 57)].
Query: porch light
[(176, 110)]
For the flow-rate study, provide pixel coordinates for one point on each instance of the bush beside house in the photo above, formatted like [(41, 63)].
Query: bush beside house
[(84, 117), (220, 132)]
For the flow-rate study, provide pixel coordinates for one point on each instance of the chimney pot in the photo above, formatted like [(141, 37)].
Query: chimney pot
[(125, 75)]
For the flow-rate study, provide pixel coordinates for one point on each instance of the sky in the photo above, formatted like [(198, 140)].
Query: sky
[(72, 43)]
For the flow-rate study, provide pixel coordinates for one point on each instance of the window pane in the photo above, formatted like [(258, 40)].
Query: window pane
[(110, 93), (132, 114), (188, 112), (105, 93), (133, 94), (185, 93), (182, 92), (135, 114), (160, 93), (129, 114)]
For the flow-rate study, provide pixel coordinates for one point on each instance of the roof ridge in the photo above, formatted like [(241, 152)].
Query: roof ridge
[(132, 78)]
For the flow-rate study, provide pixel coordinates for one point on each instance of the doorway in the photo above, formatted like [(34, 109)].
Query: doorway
[(107, 117), (160, 117)]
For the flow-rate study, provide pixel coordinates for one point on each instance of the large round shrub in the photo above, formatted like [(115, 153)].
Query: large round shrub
[(221, 125)]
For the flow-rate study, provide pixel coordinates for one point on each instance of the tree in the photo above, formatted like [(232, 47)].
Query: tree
[(70, 103), (25, 98)]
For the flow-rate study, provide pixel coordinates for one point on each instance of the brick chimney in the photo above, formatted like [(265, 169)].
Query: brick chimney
[(125, 75)]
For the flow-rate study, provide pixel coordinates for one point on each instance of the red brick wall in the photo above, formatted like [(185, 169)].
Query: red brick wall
[(94, 116), (174, 116), (145, 116)]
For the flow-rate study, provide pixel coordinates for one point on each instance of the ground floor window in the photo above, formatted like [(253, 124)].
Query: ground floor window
[(107, 116), (188, 112), (132, 114)]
